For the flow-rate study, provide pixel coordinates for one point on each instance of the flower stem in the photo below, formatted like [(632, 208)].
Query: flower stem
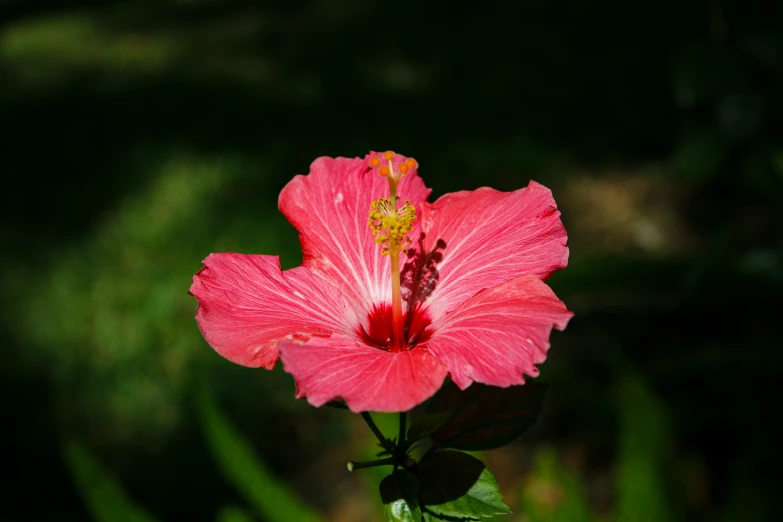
[(403, 429), (371, 423), (353, 466)]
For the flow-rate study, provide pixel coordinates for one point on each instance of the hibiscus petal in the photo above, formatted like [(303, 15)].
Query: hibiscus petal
[(368, 379), (246, 304), (482, 238), (500, 333), (330, 209)]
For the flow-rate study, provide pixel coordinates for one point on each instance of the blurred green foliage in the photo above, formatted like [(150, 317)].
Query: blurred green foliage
[(233, 514), (103, 495), (644, 455), (140, 136), (554, 494), (237, 462), (642, 482), (108, 502)]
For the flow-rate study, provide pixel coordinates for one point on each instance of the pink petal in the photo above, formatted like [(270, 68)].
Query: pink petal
[(486, 237), (500, 333), (368, 379), (246, 304), (330, 209)]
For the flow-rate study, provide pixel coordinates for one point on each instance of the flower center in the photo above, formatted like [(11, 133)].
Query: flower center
[(389, 225), (380, 329)]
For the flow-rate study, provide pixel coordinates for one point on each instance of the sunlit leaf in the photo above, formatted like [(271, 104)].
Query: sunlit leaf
[(399, 494), (457, 485)]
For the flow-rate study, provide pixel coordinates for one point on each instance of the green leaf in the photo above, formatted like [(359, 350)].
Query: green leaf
[(103, 495), (447, 399), (242, 467), (456, 485), (400, 497), (488, 417), (424, 425)]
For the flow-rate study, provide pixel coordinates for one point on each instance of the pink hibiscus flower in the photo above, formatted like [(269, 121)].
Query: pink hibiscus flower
[(379, 315)]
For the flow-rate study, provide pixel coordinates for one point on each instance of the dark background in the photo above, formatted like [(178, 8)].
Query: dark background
[(140, 136)]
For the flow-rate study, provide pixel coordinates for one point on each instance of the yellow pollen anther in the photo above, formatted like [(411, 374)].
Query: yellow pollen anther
[(389, 225), (388, 155), (375, 161)]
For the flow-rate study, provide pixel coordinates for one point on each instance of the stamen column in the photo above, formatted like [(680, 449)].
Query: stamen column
[(389, 226)]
